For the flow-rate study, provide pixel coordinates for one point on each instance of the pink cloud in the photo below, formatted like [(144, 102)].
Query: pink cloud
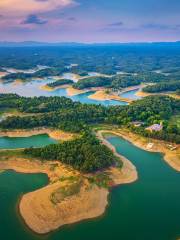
[(15, 12), (22, 8)]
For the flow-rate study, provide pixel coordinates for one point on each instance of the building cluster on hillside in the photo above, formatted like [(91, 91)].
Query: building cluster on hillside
[(155, 127)]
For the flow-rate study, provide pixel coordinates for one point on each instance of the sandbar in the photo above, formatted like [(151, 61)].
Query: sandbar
[(101, 95)]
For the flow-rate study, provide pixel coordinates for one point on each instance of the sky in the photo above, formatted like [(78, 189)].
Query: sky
[(90, 21)]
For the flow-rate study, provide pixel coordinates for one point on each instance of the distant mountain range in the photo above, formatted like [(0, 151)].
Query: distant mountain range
[(34, 43)]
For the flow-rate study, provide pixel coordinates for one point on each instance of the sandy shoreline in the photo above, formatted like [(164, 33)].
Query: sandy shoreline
[(172, 157), (129, 172), (51, 89), (55, 134), (43, 215), (3, 74), (72, 91), (101, 95), (69, 89), (136, 87)]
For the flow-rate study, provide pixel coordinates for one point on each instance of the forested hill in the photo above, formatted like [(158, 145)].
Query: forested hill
[(86, 154), (61, 112), (163, 87), (102, 58)]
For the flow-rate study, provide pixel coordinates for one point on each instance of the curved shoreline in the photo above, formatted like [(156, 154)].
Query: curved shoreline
[(100, 95), (51, 89), (42, 215), (73, 91), (128, 169), (55, 134), (172, 157)]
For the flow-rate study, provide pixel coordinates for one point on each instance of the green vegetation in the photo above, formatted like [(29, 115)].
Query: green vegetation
[(38, 74), (69, 190), (60, 82), (178, 92), (106, 59), (48, 72), (14, 76), (117, 82), (10, 153), (176, 120), (139, 64), (85, 154), (63, 113), (162, 87), (101, 180), (92, 82)]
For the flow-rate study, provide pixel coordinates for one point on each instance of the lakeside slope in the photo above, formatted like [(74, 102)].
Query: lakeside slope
[(172, 157)]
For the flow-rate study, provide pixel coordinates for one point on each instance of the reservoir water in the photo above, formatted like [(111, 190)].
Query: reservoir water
[(131, 94), (148, 209), (32, 89)]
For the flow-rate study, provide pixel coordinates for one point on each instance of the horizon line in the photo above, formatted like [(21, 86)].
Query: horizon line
[(88, 43)]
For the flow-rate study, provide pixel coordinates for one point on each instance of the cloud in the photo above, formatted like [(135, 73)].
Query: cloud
[(158, 26), (155, 26), (34, 19), (73, 19), (18, 13), (116, 24), (22, 8)]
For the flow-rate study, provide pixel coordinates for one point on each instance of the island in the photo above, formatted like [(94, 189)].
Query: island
[(59, 83)]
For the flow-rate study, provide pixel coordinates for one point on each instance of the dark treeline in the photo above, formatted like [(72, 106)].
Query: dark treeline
[(14, 76), (38, 74), (60, 82), (35, 104), (93, 82), (120, 81), (85, 154), (63, 113), (162, 87), (143, 59)]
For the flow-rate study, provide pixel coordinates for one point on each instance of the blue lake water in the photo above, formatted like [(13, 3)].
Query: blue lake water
[(32, 89), (131, 94)]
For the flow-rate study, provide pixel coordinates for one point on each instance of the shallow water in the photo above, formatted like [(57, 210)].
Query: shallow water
[(147, 209), (131, 94), (25, 142)]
